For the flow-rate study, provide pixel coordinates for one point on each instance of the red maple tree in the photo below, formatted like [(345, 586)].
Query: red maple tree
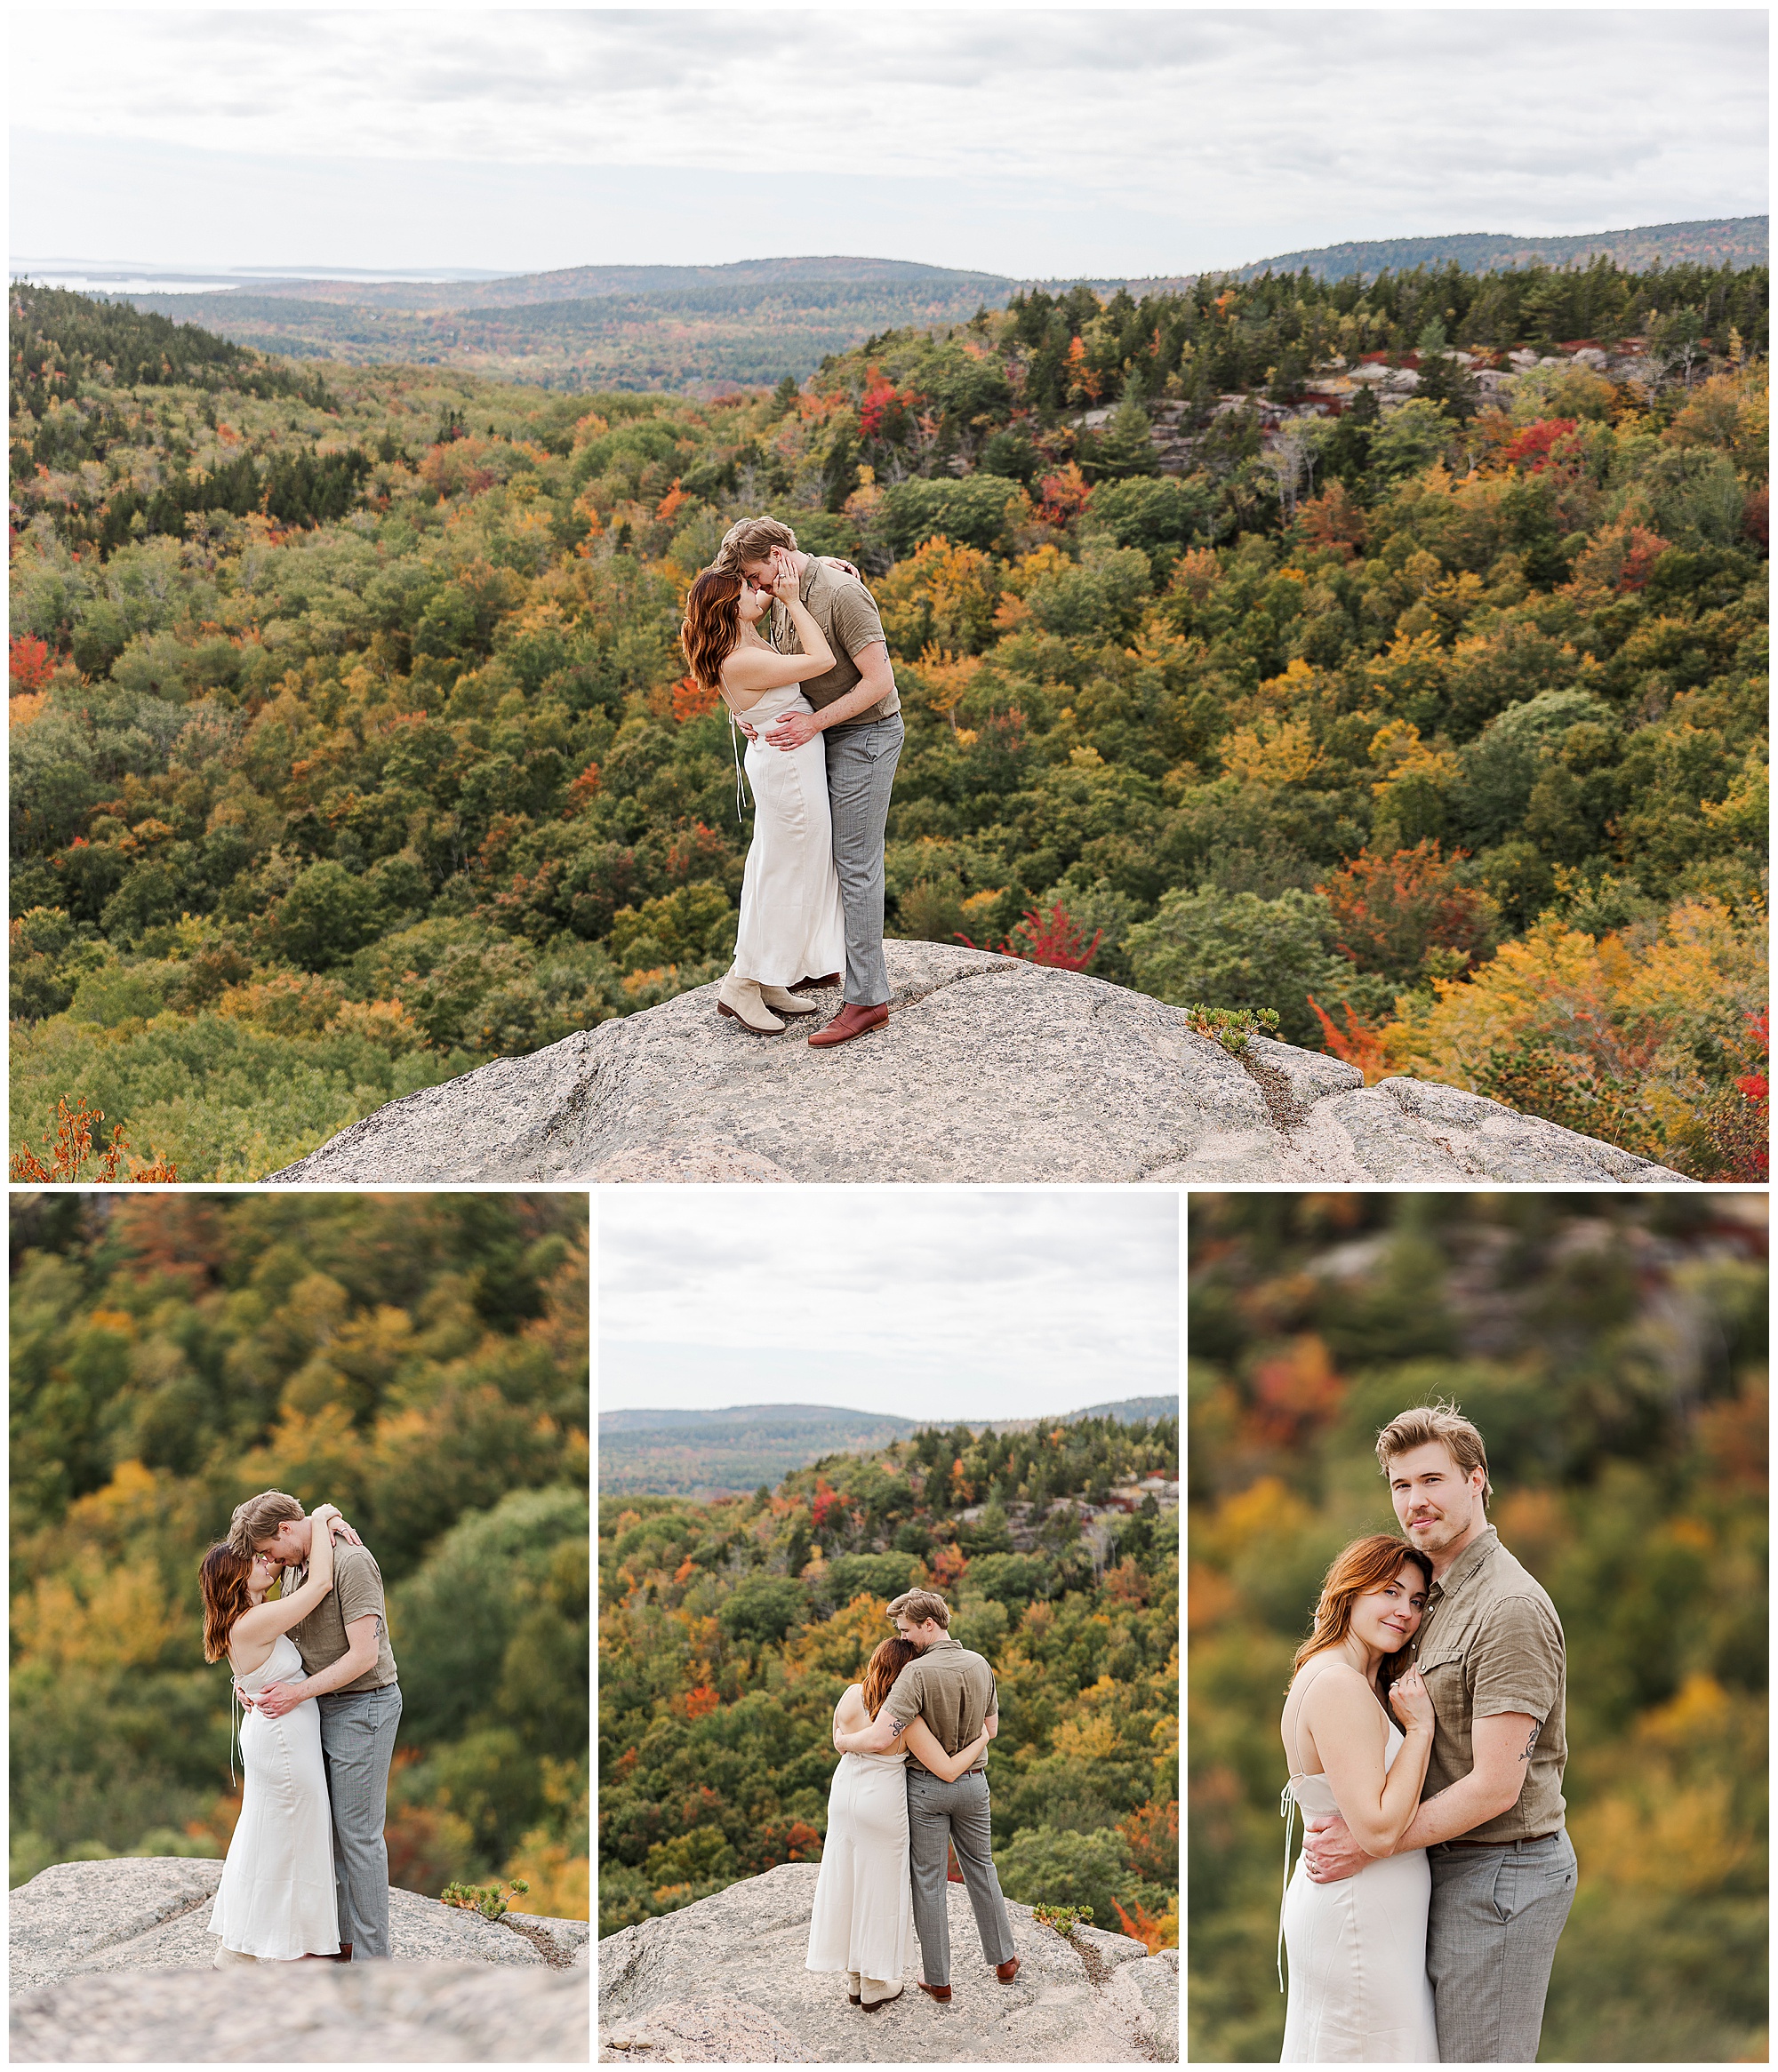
[(1549, 441), (1054, 939), (30, 663)]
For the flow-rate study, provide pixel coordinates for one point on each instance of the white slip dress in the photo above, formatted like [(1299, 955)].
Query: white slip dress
[(1358, 1989), (792, 924), (863, 1916), (277, 1898)]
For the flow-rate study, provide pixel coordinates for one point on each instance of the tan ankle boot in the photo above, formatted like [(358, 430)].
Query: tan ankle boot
[(740, 999), (775, 996)]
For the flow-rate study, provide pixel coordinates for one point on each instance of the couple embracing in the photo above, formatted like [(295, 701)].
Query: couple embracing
[(912, 1784), (307, 1872), (794, 647), (1436, 1872)]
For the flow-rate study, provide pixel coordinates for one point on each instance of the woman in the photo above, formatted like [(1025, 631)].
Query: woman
[(1359, 1990), (792, 926), (863, 1918), (275, 1902)]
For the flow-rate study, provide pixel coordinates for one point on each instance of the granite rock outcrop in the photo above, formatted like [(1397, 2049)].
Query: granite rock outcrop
[(988, 1069), (723, 1982), (113, 1963)]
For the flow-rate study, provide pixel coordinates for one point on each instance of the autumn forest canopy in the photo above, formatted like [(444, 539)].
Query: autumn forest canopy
[(1388, 655), (728, 1631), (420, 1361)]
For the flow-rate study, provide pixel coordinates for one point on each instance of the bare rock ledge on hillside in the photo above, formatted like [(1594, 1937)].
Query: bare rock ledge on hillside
[(112, 1964), (989, 1068), (723, 1982)]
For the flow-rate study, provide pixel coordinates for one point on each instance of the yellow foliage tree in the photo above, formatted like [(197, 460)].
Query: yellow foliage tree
[(1618, 1024), (942, 597), (1279, 752)]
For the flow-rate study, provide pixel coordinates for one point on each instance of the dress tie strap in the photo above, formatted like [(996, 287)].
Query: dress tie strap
[(740, 799), (1288, 1809), (233, 1726)]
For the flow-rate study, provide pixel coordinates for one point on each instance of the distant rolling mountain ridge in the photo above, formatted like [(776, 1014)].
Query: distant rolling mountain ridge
[(716, 1452), (594, 283), (703, 328), (1720, 241), (590, 327)]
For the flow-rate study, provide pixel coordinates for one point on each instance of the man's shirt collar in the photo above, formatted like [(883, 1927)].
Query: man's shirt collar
[(1465, 1566)]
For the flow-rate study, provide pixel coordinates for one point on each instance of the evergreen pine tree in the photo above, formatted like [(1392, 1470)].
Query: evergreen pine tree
[(1127, 446)]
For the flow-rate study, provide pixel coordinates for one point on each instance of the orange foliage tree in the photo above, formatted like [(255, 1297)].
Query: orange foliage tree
[(1409, 916), (75, 1141)]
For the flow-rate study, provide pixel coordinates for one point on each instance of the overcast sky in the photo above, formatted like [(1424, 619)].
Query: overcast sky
[(955, 1303), (1133, 141)]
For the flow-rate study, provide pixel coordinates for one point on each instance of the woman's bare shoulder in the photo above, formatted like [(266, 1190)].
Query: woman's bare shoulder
[(746, 664), (1337, 1678)]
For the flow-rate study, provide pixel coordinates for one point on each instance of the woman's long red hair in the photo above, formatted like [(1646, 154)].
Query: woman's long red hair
[(712, 628), (892, 1657), (223, 1581), (1367, 1564)]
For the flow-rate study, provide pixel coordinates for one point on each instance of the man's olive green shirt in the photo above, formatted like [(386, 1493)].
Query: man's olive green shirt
[(949, 1688), (847, 613), (320, 1639), (1491, 1643)]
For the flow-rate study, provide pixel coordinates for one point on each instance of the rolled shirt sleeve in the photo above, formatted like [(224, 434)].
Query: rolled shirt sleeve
[(358, 1591), (856, 624), (1518, 1661)]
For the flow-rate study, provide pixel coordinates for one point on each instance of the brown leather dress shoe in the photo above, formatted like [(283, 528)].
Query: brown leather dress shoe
[(817, 985), (937, 1992), (1008, 1972), (849, 1022)]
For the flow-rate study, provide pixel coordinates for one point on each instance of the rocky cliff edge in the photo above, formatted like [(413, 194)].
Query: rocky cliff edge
[(723, 1982), (112, 1963), (989, 1068)]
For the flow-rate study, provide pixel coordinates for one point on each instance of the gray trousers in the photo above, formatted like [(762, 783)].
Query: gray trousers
[(861, 771), (953, 1814), (1490, 1942), (358, 1742)]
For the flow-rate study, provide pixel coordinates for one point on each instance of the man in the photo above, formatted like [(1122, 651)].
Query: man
[(953, 1690), (1491, 1819), (858, 713), (349, 1669)]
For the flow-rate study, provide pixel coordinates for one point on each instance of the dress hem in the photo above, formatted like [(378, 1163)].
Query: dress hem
[(272, 1956)]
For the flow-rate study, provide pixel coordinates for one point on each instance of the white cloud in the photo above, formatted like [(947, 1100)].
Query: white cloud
[(1209, 135), (922, 1301)]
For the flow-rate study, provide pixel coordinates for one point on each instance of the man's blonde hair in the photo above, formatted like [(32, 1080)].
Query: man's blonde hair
[(258, 1518), (1437, 1424), (921, 1605), (753, 539)]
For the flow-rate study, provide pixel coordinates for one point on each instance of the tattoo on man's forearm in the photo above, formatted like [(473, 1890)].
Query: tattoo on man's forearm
[(1532, 1743), (897, 1728)]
